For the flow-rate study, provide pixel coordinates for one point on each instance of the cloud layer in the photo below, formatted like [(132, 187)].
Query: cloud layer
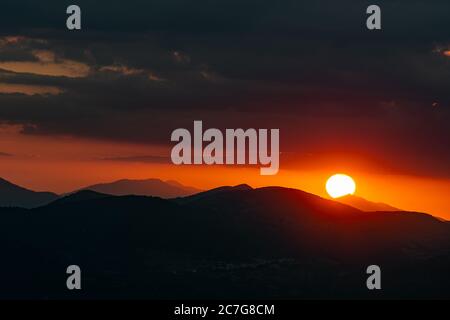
[(138, 70)]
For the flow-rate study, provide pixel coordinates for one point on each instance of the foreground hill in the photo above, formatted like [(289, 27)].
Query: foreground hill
[(12, 195), (233, 242)]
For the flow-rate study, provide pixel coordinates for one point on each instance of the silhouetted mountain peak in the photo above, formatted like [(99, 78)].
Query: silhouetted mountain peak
[(3, 181), (6, 184), (12, 195), (243, 186), (215, 191), (148, 187), (79, 196)]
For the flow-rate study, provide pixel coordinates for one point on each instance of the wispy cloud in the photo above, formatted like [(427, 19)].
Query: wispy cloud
[(181, 57), (5, 154), (26, 89), (37, 61), (122, 69), (145, 159), (129, 71), (63, 68)]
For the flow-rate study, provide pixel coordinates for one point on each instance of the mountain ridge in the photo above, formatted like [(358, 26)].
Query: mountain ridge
[(12, 195), (144, 187), (365, 205)]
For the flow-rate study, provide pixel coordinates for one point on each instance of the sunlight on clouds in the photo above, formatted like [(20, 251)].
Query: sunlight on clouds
[(121, 69), (154, 77), (29, 89), (48, 65), (129, 71), (44, 56), (64, 68), (11, 40)]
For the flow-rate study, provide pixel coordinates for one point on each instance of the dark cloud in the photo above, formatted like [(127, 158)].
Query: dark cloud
[(309, 68)]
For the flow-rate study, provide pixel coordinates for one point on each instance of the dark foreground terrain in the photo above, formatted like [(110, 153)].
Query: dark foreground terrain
[(224, 243)]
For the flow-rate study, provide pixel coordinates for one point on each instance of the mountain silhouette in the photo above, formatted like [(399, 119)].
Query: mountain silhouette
[(215, 191), (82, 195), (229, 242), (148, 187), (12, 195), (365, 205)]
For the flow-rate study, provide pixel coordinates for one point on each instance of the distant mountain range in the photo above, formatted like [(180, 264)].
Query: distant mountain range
[(229, 242), (365, 205), (148, 187), (12, 195)]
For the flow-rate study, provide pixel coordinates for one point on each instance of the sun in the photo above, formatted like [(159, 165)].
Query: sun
[(340, 185)]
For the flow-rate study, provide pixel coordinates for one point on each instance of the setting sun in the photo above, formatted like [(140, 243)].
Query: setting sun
[(340, 185)]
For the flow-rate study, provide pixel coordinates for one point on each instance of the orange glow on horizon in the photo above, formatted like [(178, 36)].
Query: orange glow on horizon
[(65, 164)]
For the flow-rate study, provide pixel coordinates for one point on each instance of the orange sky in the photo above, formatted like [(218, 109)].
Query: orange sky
[(62, 164)]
